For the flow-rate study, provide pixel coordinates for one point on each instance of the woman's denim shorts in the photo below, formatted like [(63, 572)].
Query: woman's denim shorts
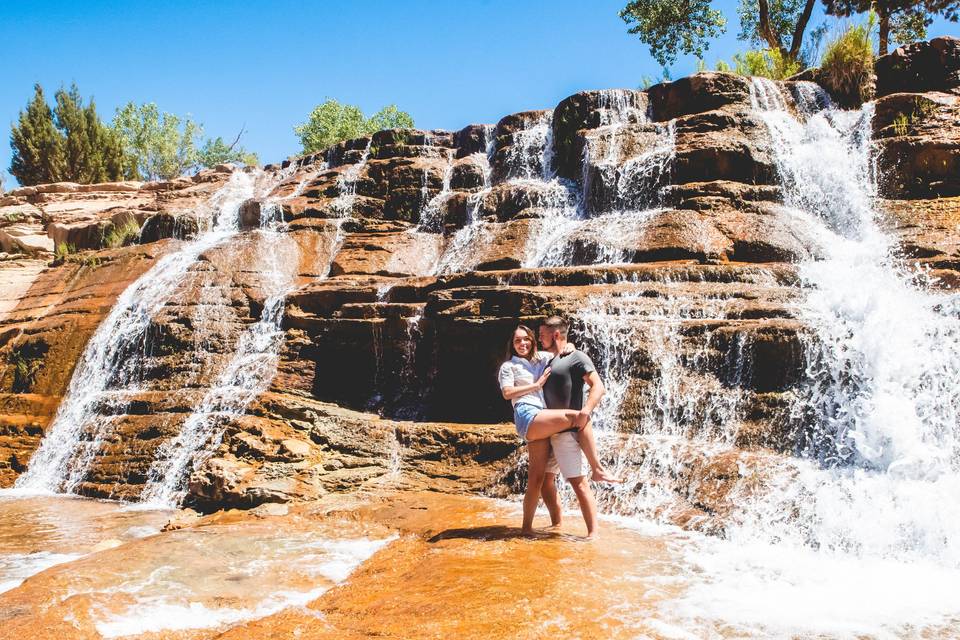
[(523, 415)]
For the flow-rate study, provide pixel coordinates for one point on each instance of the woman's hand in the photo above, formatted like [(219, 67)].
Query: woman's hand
[(542, 380), (569, 348)]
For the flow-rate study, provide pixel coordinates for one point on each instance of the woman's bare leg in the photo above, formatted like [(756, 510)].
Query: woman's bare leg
[(588, 444), (549, 422), (537, 454), (551, 499)]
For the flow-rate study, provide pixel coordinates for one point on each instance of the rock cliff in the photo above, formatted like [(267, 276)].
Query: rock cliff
[(654, 219)]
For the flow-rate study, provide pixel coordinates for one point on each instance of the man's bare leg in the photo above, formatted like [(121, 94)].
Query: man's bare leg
[(588, 507), (538, 452), (588, 444), (551, 498)]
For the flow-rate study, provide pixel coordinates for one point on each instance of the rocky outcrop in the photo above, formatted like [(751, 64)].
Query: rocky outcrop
[(933, 65), (916, 121), (76, 217)]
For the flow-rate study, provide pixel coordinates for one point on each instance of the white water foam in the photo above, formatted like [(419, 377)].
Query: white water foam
[(17, 567), (882, 468), (165, 603)]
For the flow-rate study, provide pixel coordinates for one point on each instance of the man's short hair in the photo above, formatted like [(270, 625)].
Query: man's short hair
[(556, 323)]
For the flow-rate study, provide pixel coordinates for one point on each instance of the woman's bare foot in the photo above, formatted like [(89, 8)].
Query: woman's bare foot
[(602, 475)]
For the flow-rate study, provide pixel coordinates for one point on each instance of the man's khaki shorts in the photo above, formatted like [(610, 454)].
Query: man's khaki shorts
[(566, 457)]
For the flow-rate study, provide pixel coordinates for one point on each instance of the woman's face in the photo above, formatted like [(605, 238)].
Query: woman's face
[(522, 343)]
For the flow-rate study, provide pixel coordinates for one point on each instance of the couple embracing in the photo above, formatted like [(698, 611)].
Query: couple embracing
[(551, 415)]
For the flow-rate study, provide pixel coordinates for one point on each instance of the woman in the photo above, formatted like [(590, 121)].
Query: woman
[(521, 382)]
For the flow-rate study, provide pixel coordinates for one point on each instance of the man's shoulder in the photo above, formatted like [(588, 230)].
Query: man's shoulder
[(580, 356)]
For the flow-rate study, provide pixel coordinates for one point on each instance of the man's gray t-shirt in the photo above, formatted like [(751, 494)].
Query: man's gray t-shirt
[(564, 387)]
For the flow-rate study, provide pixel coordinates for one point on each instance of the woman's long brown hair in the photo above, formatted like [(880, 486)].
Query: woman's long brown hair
[(533, 343)]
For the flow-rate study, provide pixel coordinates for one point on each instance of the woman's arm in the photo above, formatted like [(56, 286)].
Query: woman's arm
[(509, 393)]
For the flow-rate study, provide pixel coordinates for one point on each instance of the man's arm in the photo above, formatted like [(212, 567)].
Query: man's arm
[(592, 379)]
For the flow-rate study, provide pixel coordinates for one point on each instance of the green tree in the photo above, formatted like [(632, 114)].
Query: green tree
[(780, 24), (328, 124), (36, 143), (906, 19), (68, 142), (390, 117), (92, 152), (671, 27), (161, 145), (216, 151), (333, 122)]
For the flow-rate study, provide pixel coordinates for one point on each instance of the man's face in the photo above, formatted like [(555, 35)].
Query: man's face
[(546, 336)]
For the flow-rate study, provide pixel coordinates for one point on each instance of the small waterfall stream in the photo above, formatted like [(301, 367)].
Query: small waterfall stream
[(248, 373), (463, 243), (112, 363), (630, 187)]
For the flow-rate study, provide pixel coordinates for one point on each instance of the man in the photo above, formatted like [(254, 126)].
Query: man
[(569, 372)]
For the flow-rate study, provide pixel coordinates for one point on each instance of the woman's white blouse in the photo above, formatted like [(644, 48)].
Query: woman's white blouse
[(518, 372)]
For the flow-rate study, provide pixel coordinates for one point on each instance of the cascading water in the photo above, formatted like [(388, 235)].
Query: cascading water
[(112, 364), (248, 373), (347, 184), (629, 187), (881, 467), (431, 217), (663, 407), (465, 241), (858, 536), (530, 163)]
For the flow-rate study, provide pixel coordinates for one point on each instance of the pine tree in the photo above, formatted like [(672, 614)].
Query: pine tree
[(92, 151), (36, 143)]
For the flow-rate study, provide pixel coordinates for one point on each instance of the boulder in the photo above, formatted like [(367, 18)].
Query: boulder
[(932, 65), (720, 145), (704, 91), (473, 139), (167, 225), (25, 237), (919, 144)]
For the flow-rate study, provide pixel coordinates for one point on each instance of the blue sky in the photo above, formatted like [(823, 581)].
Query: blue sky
[(265, 64)]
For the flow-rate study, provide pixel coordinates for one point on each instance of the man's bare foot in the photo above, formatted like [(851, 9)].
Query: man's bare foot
[(553, 527), (602, 475)]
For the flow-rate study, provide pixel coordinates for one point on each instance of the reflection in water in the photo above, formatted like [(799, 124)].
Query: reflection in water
[(39, 532), (196, 578)]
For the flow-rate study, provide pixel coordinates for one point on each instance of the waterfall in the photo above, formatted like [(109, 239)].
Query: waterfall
[(880, 468), (431, 215), (112, 364), (631, 188), (251, 368), (456, 255), (558, 199), (347, 184), (664, 405)]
